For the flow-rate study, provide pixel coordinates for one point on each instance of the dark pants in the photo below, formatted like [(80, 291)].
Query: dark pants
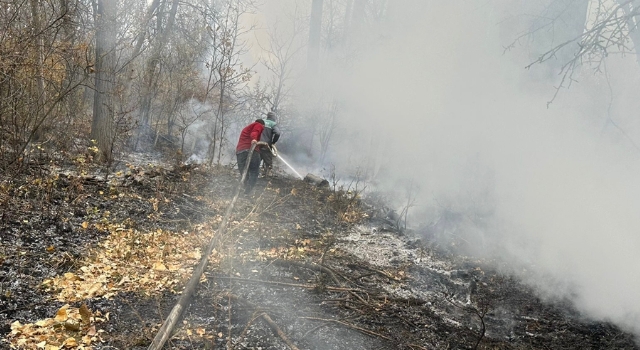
[(254, 169), (267, 157)]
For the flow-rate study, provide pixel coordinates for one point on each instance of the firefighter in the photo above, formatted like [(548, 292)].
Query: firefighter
[(270, 136), (250, 135)]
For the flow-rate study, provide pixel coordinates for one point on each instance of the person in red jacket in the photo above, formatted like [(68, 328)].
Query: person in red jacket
[(250, 135)]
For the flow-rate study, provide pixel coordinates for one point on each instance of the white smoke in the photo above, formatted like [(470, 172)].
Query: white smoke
[(559, 186)]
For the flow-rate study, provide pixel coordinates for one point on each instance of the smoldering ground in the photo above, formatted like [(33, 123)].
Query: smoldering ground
[(556, 185)]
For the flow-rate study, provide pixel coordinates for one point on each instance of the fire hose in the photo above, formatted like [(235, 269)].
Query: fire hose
[(167, 327)]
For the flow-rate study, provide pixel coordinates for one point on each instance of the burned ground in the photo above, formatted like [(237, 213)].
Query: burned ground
[(300, 267)]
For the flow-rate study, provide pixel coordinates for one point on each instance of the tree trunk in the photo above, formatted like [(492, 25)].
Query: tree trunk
[(102, 128), (69, 10), (152, 64), (37, 28), (145, 23)]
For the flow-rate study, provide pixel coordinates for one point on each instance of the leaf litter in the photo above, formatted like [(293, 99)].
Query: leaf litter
[(142, 235)]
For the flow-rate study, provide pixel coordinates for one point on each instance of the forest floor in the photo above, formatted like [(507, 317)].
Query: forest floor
[(92, 264)]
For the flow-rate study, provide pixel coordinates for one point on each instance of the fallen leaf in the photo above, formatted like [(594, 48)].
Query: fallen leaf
[(70, 276), (85, 225), (94, 288), (70, 342), (61, 315), (159, 266), (86, 340), (44, 323), (85, 313), (41, 345)]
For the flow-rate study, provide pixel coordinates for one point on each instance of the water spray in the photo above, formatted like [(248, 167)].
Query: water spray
[(290, 167), (274, 150)]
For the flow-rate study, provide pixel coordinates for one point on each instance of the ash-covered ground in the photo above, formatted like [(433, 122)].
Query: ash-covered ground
[(94, 263)]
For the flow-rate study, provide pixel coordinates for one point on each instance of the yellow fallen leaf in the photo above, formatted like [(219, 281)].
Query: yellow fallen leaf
[(85, 225), (200, 331), (94, 288), (16, 326), (41, 345), (71, 276), (61, 315), (159, 266), (70, 342), (51, 248), (45, 323)]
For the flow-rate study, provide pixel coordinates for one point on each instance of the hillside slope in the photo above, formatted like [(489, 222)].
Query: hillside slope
[(88, 263)]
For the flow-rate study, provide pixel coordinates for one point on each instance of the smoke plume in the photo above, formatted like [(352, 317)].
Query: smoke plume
[(551, 189)]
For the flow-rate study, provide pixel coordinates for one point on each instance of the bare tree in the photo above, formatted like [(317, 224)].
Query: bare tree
[(598, 29), (35, 65), (226, 74), (279, 59), (150, 73)]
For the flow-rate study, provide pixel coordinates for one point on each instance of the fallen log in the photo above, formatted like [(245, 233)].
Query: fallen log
[(316, 180), (167, 327)]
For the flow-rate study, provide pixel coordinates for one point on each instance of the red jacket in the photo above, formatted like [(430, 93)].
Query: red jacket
[(250, 132)]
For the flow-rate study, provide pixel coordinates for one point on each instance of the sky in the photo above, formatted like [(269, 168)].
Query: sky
[(557, 186)]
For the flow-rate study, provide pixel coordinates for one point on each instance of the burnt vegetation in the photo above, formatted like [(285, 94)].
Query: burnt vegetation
[(116, 123), (294, 271)]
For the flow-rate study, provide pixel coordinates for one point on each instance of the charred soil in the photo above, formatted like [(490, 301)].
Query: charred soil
[(92, 263)]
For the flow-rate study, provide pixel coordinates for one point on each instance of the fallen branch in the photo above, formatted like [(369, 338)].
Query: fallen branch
[(359, 329), (268, 320), (167, 327), (309, 265), (299, 285)]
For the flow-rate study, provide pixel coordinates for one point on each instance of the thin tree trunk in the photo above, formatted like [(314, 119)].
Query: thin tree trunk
[(69, 10), (102, 128), (143, 31), (37, 27), (152, 64)]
